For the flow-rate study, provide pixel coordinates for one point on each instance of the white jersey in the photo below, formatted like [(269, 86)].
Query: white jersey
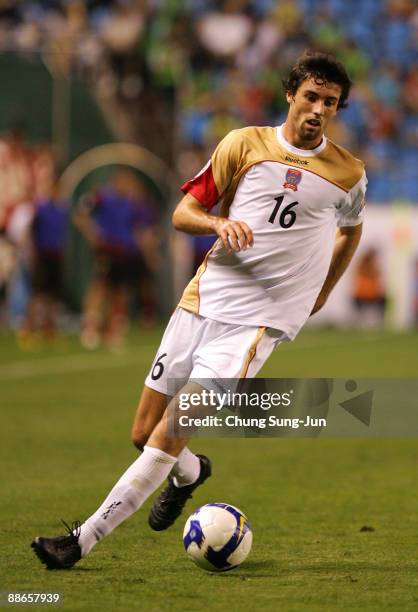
[(293, 200)]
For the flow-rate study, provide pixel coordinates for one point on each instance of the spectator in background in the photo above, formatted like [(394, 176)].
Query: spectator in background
[(16, 213), (7, 263), (48, 237), (415, 292), (225, 32), (116, 222), (18, 232), (210, 66), (369, 295), (32, 172), (119, 32), (16, 176)]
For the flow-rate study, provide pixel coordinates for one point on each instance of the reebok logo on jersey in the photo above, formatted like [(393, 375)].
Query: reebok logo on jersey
[(295, 160), (293, 178)]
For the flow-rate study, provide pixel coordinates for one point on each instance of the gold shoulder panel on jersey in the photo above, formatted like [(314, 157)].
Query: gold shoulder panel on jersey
[(236, 151), (244, 148), (340, 166)]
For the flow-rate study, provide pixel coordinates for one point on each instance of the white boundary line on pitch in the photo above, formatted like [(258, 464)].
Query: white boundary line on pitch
[(68, 364), (64, 365)]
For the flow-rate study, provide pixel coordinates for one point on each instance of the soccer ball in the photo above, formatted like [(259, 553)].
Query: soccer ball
[(217, 537)]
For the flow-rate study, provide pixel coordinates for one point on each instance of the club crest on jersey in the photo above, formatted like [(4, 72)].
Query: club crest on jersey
[(293, 178)]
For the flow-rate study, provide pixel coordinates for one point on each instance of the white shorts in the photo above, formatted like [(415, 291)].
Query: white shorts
[(197, 347)]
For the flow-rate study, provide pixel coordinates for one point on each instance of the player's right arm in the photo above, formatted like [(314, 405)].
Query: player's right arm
[(209, 187), (190, 216)]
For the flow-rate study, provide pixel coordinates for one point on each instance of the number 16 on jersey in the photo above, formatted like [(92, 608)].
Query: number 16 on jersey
[(287, 215)]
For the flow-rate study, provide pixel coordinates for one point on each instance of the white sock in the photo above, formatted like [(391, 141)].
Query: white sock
[(139, 481), (187, 469)]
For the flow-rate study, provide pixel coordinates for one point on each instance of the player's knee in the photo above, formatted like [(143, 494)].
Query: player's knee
[(139, 439)]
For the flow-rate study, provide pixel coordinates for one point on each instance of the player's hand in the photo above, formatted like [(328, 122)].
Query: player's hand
[(235, 235)]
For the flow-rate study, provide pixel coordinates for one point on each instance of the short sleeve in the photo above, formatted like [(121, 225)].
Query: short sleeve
[(351, 211), (215, 177)]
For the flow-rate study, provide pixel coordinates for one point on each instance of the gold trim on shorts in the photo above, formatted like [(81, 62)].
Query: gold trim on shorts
[(252, 351)]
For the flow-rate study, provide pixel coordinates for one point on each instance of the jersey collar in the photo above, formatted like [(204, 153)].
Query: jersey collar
[(301, 152)]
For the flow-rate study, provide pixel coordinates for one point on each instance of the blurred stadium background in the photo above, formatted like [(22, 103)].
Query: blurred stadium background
[(154, 85), (150, 87)]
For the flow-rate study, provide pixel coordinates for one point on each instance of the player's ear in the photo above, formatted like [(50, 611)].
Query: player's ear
[(289, 97)]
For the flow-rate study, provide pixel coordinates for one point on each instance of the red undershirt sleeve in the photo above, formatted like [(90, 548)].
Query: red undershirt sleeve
[(209, 185)]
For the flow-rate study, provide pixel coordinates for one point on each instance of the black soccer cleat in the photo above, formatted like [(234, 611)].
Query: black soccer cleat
[(61, 552), (171, 501)]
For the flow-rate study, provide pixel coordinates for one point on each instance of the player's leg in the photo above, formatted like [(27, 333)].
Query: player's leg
[(31, 322), (121, 280), (151, 407), (189, 472), (170, 370), (147, 473), (226, 351), (138, 482), (144, 281), (52, 296), (94, 304), (117, 316), (190, 469), (172, 362), (34, 308), (134, 487)]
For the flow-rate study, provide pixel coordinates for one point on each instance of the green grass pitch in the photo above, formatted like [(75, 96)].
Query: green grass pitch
[(65, 419)]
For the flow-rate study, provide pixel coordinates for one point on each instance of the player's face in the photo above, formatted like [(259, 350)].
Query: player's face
[(310, 110)]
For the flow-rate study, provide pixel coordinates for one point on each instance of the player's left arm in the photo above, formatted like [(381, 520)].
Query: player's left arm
[(346, 243), (350, 212)]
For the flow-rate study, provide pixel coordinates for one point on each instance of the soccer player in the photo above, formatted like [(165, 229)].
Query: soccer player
[(291, 217), (49, 231)]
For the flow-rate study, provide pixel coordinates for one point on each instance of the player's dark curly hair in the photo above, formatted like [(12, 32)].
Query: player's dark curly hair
[(323, 68)]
